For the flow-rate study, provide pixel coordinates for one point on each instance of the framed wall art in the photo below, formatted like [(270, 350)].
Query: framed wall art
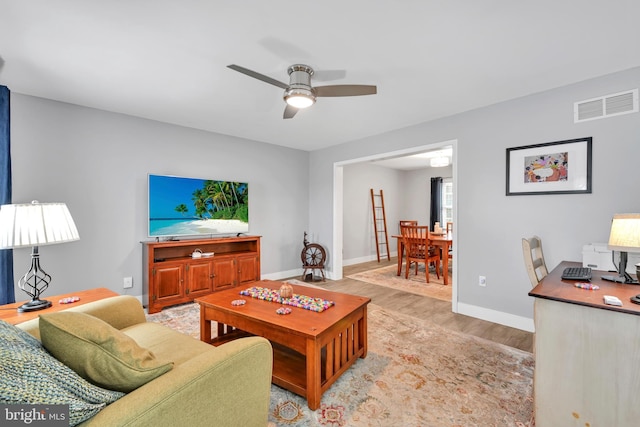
[(562, 167)]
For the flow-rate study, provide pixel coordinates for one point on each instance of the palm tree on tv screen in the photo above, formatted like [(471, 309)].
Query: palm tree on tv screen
[(226, 198), (182, 208), (199, 202)]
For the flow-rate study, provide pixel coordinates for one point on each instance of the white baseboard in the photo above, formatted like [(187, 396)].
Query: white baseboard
[(296, 273), (511, 320), (359, 260), (367, 258)]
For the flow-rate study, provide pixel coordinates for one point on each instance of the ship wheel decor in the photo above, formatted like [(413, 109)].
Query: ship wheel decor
[(313, 257)]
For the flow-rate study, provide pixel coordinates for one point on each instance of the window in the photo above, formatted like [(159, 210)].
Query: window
[(447, 201)]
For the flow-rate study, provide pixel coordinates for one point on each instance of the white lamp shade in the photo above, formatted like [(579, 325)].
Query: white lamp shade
[(36, 224), (625, 233)]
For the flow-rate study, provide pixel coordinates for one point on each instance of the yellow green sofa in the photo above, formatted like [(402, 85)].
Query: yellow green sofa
[(227, 385)]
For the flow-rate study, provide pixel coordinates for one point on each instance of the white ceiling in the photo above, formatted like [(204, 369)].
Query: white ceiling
[(166, 60)]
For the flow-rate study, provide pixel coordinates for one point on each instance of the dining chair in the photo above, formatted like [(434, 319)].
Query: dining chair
[(418, 250), (449, 227), (404, 222), (534, 259), (407, 222)]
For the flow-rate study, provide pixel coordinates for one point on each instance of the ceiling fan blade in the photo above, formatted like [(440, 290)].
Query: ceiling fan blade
[(258, 76), (289, 112), (345, 90), (329, 75)]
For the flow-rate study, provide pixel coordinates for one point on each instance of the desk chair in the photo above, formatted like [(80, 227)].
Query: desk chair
[(418, 250), (534, 259)]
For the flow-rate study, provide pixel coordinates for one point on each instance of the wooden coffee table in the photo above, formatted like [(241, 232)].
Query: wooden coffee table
[(310, 350)]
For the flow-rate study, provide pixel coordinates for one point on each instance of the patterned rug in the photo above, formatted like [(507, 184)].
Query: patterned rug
[(415, 374), (417, 284)]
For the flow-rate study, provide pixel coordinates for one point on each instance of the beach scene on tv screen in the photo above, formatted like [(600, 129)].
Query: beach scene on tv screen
[(190, 206)]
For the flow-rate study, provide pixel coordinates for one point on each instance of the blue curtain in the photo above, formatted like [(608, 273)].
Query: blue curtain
[(436, 201), (7, 294)]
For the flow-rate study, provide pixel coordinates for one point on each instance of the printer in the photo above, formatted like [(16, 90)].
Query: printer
[(598, 257)]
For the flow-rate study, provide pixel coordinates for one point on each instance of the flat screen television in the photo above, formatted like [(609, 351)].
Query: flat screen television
[(181, 206)]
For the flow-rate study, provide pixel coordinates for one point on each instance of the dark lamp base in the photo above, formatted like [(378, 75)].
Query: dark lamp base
[(34, 305), (621, 279)]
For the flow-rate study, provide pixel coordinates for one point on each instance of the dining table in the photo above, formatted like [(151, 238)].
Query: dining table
[(442, 241)]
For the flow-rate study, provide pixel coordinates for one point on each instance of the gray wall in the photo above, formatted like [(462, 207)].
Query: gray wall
[(490, 224), (359, 242), (97, 162)]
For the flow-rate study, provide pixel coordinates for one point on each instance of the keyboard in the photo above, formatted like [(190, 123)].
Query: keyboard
[(576, 273)]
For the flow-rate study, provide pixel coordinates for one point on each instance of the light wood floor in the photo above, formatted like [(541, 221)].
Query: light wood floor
[(426, 308)]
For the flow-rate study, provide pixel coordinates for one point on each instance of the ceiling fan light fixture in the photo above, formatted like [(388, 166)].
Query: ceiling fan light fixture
[(439, 162), (299, 98), (299, 93)]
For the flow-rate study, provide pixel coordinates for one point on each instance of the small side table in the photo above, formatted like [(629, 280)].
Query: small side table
[(9, 312)]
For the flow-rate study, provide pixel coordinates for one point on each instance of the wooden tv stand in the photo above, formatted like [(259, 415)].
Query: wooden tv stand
[(171, 276)]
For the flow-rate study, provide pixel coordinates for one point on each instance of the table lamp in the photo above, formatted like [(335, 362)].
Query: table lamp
[(624, 237), (31, 225)]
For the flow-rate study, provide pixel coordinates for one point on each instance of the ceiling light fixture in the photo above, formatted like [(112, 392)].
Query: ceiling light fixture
[(438, 162), (299, 98), (299, 93)]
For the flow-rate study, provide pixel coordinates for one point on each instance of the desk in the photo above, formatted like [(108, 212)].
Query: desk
[(587, 353), (443, 242)]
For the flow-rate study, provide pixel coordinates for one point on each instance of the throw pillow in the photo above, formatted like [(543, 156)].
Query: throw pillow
[(31, 376), (98, 352)]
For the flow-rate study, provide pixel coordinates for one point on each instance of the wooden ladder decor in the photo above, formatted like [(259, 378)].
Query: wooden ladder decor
[(380, 223)]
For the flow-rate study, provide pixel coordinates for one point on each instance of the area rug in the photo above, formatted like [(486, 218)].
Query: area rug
[(416, 284), (416, 373)]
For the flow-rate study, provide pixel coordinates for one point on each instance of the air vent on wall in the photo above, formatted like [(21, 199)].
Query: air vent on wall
[(606, 106)]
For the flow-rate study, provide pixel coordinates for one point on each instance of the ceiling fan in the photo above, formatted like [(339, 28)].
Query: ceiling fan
[(299, 93)]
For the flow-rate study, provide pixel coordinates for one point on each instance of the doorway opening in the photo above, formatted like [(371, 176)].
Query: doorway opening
[(336, 262)]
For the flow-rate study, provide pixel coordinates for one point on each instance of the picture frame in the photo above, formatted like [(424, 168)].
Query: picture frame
[(561, 167)]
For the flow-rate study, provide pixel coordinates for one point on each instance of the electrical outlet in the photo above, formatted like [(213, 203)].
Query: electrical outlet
[(482, 281), (128, 282)]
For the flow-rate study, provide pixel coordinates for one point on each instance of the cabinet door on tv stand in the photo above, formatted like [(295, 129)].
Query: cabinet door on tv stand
[(168, 280), (224, 273), (199, 278), (248, 268)]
